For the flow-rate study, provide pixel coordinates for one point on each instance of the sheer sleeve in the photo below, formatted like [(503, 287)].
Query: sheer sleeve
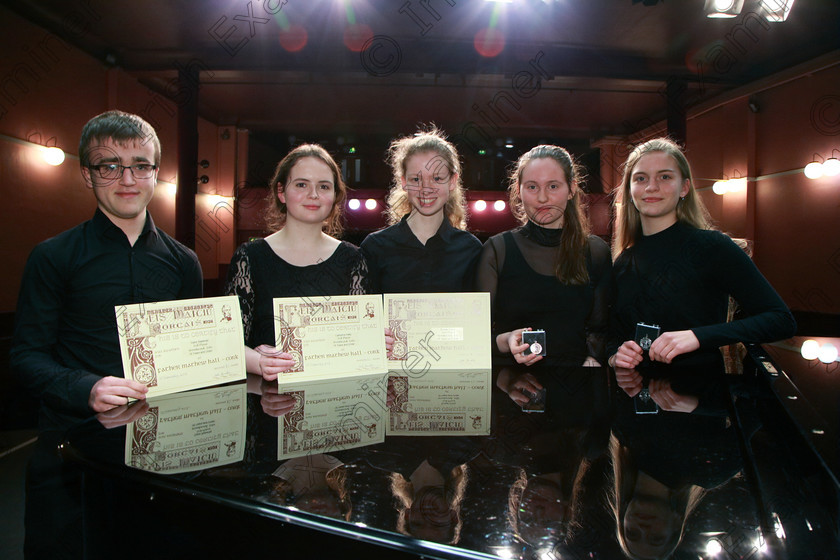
[(239, 284), (490, 263), (600, 279), (359, 277)]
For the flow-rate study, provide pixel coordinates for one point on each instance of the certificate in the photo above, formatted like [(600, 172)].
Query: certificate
[(439, 331), (439, 403), (173, 346), (331, 415), (189, 431), (329, 336)]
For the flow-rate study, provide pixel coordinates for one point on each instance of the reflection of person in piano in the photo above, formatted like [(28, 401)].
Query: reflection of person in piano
[(429, 502), (314, 483)]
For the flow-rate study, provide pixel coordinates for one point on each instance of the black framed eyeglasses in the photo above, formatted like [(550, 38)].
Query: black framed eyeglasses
[(113, 171)]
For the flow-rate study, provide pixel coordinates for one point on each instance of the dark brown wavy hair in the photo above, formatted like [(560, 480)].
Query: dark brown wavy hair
[(275, 216)]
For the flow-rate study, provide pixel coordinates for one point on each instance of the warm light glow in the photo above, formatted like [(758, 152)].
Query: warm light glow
[(354, 204), (720, 187), (810, 349), (723, 8), (480, 206), (713, 547), (828, 353), (814, 170), (53, 156), (171, 188), (499, 205), (370, 204), (736, 185), (776, 10), (831, 167)]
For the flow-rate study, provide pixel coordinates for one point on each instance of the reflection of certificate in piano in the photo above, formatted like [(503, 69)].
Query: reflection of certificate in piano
[(439, 331), (328, 336), (173, 346), (439, 403), (333, 414), (189, 431)]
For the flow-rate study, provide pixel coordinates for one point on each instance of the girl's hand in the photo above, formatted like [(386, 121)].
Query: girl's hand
[(669, 345)]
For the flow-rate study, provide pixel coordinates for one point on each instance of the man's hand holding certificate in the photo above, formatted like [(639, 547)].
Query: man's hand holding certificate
[(174, 346)]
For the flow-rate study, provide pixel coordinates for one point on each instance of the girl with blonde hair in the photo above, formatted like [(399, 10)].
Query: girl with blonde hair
[(426, 248)]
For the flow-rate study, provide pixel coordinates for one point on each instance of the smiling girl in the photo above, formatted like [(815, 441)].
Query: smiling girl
[(300, 259), (673, 270), (426, 249), (550, 272)]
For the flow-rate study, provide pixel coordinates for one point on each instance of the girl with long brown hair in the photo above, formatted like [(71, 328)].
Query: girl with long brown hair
[(550, 273)]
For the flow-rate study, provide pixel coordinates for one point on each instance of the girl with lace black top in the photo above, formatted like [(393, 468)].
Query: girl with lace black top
[(673, 270), (549, 272), (300, 259)]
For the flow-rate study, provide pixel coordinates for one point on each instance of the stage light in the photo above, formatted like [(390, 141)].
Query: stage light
[(53, 156), (810, 349), (776, 10), (828, 353), (480, 206), (723, 8), (354, 204), (713, 547), (499, 205), (814, 170), (370, 204)]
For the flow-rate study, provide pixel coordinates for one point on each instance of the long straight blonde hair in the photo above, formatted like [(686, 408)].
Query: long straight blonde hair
[(690, 210)]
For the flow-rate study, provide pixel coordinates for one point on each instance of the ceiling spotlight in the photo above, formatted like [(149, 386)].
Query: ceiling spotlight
[(723, 8), (354, 204), (480, 206), (499, 205), (370, 204), (776, 10)]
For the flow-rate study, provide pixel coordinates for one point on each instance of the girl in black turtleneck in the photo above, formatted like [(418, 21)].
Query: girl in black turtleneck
[(673, 270), (549, 273)]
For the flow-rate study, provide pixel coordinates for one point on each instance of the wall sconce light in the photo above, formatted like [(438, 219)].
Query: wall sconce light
[(53, 155), (831, 166), (814, 170), (370, 204), (724, 186), (723, 8), (354, 204), (480, 206), (499, 205), (813, 350), (828, 353)]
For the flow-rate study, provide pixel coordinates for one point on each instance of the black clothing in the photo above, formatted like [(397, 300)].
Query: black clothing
[(66, 335), (681, 278), (517, 268), (257, 275), (399, 263)]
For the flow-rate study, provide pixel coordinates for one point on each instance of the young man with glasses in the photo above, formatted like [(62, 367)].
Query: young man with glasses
[(66, 343)]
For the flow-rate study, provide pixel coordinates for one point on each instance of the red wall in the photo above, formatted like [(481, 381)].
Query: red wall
[(52, 91)]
